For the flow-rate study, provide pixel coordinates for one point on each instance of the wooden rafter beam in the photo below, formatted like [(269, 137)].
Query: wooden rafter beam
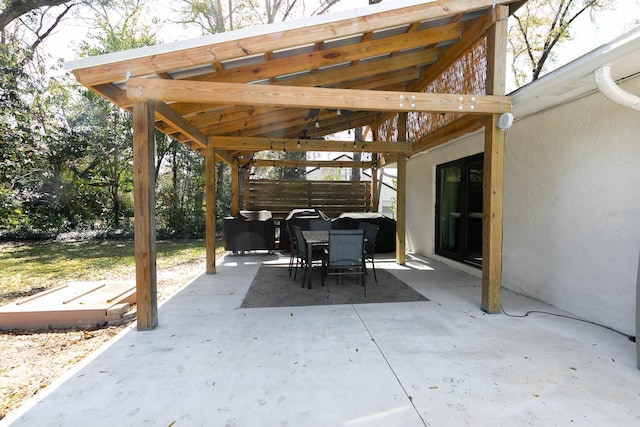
[(172, 123), (220, 115), (204, 115), (188, 110), (367, 75), (378, 73), (234, 118), (199, 140), (169, 116), (334, 124), (232, 143), (236, 122), (335, 56), (256, 44), (385, 81), (295, 127), (304, 97), (287, 122), (114, 94), (469, 37), (365, 38)]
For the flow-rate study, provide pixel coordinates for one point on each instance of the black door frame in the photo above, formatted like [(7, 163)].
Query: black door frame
[(462, 254)]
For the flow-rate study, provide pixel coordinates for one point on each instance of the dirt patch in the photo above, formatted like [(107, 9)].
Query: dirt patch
[(32, 360)]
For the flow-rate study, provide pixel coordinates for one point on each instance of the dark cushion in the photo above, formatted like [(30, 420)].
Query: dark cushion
[(251, 231)]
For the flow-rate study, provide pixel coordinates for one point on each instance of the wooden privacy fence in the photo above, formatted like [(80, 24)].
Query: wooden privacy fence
[(331, 197)]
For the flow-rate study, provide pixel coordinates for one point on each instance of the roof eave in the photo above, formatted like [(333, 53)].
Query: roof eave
[(576, 78)]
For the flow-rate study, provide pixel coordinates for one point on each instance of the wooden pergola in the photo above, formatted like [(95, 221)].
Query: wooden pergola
[(419, 74)]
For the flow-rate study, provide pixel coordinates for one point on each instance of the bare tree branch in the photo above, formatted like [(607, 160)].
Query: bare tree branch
[(41, 36), (17, 8), (540, 27), (325, 5)]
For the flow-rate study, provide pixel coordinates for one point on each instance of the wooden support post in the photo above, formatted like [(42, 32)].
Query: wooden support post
[(144, 215), (493, 167), (401, 202), (374, 183), (234, 188), (492, 216), (401, 194), (210, 214)]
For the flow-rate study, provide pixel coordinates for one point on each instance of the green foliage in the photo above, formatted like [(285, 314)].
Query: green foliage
[(127, 31), (331, 174), (11, 214), (66, 154), (281, 173), (65, 157), (223, 193), (180, 193), (39, 149), (14, 123), (209, 15)]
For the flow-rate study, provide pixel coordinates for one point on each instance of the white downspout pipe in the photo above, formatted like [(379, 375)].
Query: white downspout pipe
[(611, 90)]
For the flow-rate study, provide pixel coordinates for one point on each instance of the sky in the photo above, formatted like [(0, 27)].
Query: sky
[(589, 34)]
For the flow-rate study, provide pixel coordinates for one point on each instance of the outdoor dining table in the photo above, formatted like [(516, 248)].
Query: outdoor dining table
[(313, 238)]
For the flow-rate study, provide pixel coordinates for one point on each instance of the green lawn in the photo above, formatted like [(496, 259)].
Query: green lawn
[(30, 268)]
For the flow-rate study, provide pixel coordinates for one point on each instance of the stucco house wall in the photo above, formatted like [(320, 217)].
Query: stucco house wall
[(421, 193), (571, 206)]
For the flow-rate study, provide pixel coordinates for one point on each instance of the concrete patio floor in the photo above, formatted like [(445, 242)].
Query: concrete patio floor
[(437, 363)]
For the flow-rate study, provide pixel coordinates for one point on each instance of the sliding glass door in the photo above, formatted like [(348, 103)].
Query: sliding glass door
[(459, 209)]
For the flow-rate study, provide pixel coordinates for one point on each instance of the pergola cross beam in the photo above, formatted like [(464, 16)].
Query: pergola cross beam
[(237, 143), (307, 163), (305, 97)]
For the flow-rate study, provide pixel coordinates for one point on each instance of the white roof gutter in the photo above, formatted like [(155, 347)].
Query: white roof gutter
[(611, 90), (576, 77)]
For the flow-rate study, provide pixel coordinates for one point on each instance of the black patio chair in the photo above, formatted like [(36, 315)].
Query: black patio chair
[(293, 258), (316, 253), (370, 234), (345, 255)]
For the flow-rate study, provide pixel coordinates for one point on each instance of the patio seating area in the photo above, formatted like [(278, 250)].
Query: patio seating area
[(441, 362)]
